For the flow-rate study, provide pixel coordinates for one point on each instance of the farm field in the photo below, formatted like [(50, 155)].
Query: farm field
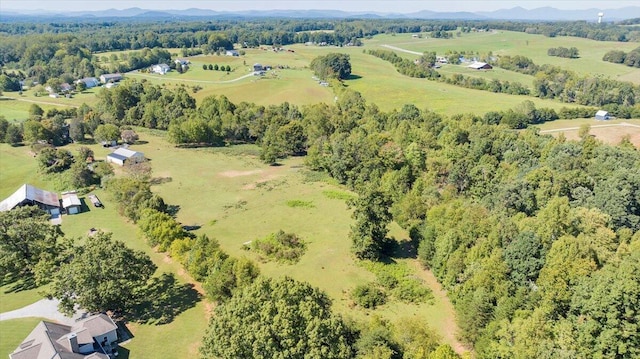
[(611, 132), (511, 43)]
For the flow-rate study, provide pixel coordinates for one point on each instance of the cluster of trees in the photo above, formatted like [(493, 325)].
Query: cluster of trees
[(422, 69), (215, 67), (632, 58), (331, 66), (37, 252), (567, 86), (570, 53)]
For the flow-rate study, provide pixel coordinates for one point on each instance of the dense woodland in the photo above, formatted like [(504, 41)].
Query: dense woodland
[(535, 238)]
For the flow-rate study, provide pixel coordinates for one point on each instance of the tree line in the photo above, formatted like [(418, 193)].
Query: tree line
[(632, 58)]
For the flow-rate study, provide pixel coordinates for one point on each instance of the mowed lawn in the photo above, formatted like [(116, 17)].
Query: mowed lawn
[(14, 110)]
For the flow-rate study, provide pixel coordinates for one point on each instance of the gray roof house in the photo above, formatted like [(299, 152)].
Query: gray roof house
[(89, 338), (28, 195)]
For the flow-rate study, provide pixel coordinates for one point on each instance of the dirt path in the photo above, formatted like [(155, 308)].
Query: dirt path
[(402, 50), (41, 102), (137, 74), (441, 300), (623, 124)]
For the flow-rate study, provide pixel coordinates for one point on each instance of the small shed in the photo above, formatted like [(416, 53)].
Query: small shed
[(602, 115), (71, 203), (258, 67)]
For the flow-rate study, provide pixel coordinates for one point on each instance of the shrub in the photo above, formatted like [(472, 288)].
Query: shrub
[(295, 203), (280, 246), (368, 296)]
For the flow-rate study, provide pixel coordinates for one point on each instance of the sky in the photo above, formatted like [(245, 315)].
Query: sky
[(402, 6)]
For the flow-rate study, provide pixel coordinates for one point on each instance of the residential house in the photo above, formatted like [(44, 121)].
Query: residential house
[(94, 337), (480, 66), (232, 53), (110, 78), (122, 155), (602, 115), (71, 203), (89, 82), (258, 68), (160, 69), (28, 195)]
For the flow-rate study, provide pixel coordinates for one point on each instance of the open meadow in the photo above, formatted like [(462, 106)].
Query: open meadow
[(230, 195)]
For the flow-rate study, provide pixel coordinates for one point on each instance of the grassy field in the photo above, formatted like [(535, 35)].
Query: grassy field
[(233, 198), (517, 43), (14, 110)]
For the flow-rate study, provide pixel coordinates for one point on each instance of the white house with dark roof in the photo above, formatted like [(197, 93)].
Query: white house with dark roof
[(232, 53), (94, 337), (28, 195), (122, 155)]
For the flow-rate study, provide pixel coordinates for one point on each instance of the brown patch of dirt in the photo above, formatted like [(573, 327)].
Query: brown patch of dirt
[(233, 174)]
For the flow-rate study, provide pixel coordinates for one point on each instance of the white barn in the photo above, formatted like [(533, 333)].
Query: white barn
[(122, 155)]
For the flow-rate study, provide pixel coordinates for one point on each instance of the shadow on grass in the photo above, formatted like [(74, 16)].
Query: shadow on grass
[(353, 77), (123, 353), (164, 299), (18, 283), (173, 209)]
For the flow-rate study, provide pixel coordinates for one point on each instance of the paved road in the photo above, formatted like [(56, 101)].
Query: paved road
[(43, 308)]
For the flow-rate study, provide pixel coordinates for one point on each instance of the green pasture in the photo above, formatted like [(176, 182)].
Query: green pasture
[(18, 110), (13, 332), (501, 42), (380, 83)]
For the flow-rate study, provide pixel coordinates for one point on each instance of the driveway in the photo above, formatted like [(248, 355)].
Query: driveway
[(43, 308)]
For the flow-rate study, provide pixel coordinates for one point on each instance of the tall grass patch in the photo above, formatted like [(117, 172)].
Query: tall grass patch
[(399, 281)]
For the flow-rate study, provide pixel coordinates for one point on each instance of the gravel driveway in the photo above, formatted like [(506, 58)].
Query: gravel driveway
[(43, 308)]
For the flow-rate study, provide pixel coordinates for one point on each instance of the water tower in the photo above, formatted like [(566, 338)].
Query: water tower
[(600, 15)]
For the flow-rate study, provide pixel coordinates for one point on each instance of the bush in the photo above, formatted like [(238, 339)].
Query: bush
[(295, 203), (368, 296), (280, 246)]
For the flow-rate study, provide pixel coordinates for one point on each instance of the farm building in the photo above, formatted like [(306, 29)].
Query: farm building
[(160, 69), (232, 53), (94, 337), (71, 203), (602, 115), (89, 82), (110, 78), (28, 195), (480, 66), (121, 155)]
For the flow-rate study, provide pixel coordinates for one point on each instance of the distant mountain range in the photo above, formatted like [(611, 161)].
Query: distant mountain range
[(516, 13)]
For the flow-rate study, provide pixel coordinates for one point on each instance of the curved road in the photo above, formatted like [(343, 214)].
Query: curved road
[(44, 308)]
